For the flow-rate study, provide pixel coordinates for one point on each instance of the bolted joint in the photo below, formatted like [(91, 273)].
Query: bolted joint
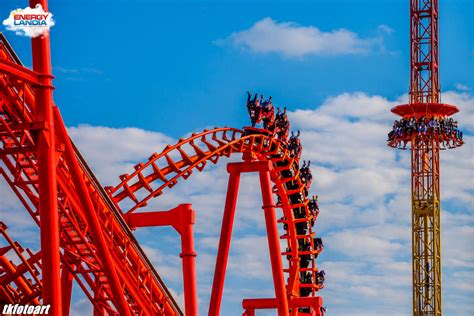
[(188, 254)]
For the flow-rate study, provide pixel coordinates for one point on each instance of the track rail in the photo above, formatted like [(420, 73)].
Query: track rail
[(162, 171), (144, 291), (19, 271)]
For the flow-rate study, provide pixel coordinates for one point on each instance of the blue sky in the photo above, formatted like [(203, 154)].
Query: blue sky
[(144, 73), (163, 57)]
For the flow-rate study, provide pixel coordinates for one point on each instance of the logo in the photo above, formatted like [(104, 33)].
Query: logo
[(18, 309), (31, 22)]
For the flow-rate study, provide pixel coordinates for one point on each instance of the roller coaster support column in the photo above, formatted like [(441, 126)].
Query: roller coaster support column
[(66, 286), (48, 199), (182, 220), (235, 169)]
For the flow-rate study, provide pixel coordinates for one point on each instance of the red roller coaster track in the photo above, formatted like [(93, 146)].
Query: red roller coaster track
[(87, 237)]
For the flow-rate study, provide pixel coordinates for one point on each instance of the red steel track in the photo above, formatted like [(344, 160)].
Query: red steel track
[(164, 170), (98, 249), (142, 288)]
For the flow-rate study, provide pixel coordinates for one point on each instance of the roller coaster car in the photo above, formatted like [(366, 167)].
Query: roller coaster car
[(304, 246), (305, 310), (305, 291), (301, 228), (287, 173), (299, 212), (292, 185), (296, 198), (304, 261), (306, 277)]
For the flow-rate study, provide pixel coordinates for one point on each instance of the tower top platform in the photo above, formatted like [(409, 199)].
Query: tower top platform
[(419, 110)]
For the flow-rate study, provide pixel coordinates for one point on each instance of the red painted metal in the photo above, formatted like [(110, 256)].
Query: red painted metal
[(425, 145), (98, 250), (90, 213), (20, 282), (424, 47), (181, 218), (422, 109), (19, 72), (47, 178), (140, 285), (224, 243), (235, 170), (273, 238), (67, 279), (150, 179), (250, 305)]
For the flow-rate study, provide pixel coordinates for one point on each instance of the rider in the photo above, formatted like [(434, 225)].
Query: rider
[(313, 205), (320, 278), (268, 115), (294, 146), (282, 125), (254, 108)]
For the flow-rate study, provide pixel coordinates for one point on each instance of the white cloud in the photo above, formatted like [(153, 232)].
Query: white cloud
[(365, 203), (31, 22), (115, 150), (293, 40), (364, 198)]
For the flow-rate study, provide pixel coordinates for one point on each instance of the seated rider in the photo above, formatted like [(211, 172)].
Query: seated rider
[(305, 173), (268, 115), (254, 109), (318, 244), (294, 146), (282, 125), (313, 205), (267, 102), (320, 278)]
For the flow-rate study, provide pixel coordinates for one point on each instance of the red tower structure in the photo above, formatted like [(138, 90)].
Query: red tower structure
[(86, 231), (426, 126)]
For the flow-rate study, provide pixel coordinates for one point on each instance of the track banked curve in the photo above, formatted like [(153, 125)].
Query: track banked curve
[(151, 178)]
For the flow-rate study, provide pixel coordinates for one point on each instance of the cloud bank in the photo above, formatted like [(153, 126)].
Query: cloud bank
[(293, 40), (365, 209)]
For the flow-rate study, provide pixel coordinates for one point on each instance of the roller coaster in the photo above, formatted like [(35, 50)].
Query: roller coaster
[(86, 230)]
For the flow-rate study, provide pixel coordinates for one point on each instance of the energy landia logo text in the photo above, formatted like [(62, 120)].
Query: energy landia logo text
[(31, 22)]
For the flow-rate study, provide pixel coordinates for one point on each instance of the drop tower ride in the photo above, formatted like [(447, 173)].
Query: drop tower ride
[(425, 141)]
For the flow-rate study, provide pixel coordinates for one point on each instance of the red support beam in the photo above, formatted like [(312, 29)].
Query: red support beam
[(250, 305), (235, 169), (66, 286), (91, 215), (224, 242), (181, 218), (48, 198), (25, 74), (273, 239)]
